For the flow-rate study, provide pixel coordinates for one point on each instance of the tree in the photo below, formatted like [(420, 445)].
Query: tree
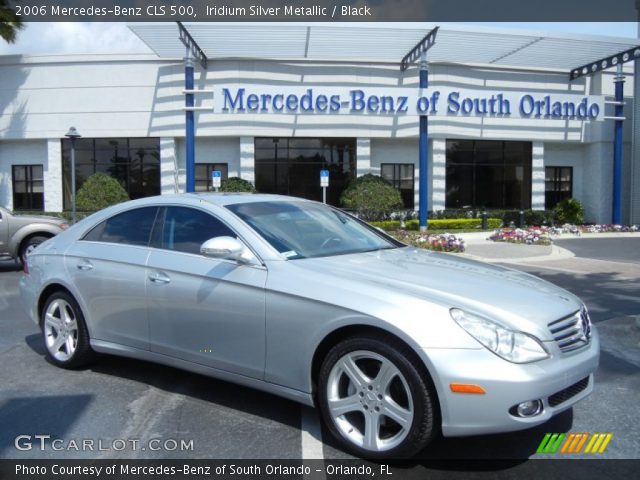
[(10, 23)]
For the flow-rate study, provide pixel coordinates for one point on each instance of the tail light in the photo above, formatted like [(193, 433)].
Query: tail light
[(25, 267)]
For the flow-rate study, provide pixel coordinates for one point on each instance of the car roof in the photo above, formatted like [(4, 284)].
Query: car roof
[(223, 198)]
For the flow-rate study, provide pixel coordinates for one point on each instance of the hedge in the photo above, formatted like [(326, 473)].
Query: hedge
[(441, 224)]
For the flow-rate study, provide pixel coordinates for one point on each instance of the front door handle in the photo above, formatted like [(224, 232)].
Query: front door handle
[(84, 265), (160, 278)]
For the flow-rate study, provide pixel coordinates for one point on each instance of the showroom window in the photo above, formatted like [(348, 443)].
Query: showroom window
[(558, 185), (291, 166), (203, 175), (488, 174), (28, 187), (401, 176), (134, 162)]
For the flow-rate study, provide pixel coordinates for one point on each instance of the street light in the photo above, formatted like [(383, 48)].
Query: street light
[(73, 134)]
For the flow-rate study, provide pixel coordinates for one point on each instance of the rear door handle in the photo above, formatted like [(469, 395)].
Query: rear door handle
[(159, 278), (84, 265)]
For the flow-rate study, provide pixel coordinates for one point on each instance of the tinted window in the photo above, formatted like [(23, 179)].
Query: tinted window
[(132, 227), (490, 174), (291, 166), (134, 162), (186, 229), (28, 187)]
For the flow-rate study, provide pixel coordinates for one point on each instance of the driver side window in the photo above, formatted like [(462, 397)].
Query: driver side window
[(186, 229)]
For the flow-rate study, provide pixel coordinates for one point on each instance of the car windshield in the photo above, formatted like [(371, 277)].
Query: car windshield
[(307, 230)]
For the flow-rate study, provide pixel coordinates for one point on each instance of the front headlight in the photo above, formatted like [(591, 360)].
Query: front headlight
[(516, 347)]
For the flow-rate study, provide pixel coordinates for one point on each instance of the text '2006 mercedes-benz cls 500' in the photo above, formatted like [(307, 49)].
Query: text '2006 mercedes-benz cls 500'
[(393, 344)]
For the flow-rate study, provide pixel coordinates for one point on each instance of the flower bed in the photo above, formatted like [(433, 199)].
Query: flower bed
[(605, 228), (439, 242), (529, 236)]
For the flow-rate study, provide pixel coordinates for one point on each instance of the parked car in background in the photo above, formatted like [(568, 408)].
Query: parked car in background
[(20, 234), (393, 343)]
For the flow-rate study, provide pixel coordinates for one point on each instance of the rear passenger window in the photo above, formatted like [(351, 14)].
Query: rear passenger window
[(186, 229), (131, 228)]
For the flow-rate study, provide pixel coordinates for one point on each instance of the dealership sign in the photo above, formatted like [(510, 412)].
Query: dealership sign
[(436, 101)]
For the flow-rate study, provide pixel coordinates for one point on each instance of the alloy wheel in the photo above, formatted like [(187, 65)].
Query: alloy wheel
[(61, 330), (369, 401)]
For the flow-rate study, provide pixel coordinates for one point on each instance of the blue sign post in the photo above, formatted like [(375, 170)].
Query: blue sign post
[(216, 179), (324, 183)]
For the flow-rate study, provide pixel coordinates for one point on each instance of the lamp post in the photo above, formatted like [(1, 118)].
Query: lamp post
[(73, 134)]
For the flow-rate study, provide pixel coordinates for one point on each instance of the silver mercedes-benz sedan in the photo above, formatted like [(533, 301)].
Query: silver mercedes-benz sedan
[(394, 344)]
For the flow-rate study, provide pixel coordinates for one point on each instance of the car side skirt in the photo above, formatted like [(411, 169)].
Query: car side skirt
[(146, 355)]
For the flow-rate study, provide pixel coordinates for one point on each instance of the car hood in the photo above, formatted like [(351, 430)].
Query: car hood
[(516, 299)]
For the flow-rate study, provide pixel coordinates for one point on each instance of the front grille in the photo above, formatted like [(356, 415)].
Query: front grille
[(572, 332), (569, 392)]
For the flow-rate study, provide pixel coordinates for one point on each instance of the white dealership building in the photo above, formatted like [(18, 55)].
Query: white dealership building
[(508, 127)]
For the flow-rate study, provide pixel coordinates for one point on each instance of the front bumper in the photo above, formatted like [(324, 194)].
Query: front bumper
[(506, 385)]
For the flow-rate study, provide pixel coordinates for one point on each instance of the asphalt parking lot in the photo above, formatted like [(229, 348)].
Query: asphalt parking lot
[(119, 398)]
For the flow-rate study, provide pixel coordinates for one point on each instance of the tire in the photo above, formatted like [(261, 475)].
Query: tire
[(65, 333), (29, 244), (374, 401)]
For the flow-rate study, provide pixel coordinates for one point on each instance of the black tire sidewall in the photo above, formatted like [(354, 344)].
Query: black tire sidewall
[(423, 426), (34, 240), (83, 353)]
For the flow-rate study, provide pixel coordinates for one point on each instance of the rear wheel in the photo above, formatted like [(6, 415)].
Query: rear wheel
[(374, 400), (29, 245), (65, 332)]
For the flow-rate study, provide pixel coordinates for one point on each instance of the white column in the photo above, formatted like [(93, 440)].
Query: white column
[(247, 159), (537, 176), (438, 174), (53, 176), (172, 177), (363, 156)]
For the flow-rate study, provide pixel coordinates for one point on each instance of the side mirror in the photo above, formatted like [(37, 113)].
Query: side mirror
[(223, 247)]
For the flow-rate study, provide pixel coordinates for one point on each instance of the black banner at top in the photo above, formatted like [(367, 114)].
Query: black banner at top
[(325, 10)]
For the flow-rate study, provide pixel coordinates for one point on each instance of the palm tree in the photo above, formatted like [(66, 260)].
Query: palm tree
[(9, 22)]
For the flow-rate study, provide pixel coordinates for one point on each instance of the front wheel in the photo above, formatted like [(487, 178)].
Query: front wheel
[(65, 332), (374, 400)]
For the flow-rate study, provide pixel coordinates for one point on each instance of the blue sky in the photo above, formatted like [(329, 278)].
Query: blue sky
[(79, 37)]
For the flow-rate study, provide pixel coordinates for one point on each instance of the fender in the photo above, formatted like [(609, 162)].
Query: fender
[(16, 239)]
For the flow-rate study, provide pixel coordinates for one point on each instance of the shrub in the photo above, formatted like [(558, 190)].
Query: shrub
[(237, 184), (440, 224), (100, 191), (456, 224), (387, 225), (371, 197), (569, 210)]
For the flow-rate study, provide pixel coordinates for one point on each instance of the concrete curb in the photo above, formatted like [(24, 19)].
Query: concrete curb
[(557, 253)]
